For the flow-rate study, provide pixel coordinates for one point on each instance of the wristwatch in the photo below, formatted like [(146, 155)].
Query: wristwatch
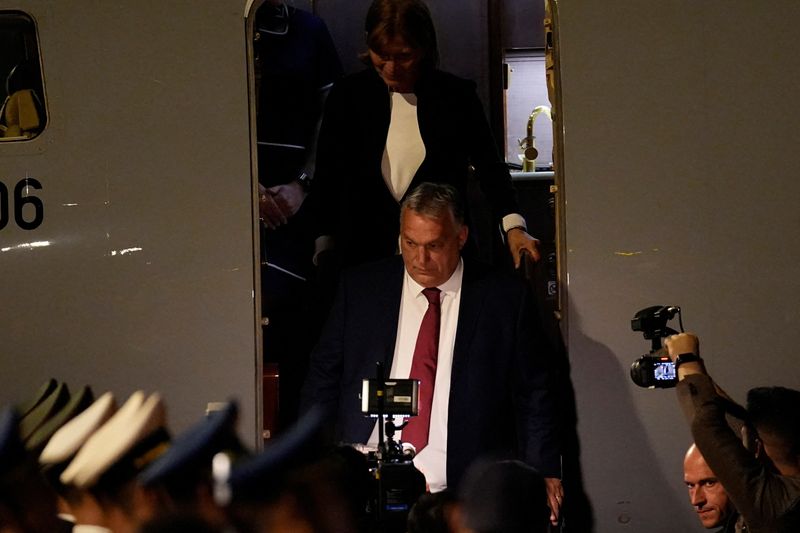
[(304, 180), (686, 358)]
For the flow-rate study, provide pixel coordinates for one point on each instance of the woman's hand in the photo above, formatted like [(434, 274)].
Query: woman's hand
[(519, 240)]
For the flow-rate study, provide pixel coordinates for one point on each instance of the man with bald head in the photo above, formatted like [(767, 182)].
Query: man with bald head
[(706, 493), (761, 474)]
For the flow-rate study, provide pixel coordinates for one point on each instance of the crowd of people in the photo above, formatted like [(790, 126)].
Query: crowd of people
[(93, 465), (70, 461)]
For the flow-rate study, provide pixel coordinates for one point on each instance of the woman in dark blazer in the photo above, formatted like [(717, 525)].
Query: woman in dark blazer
[(394, 125)]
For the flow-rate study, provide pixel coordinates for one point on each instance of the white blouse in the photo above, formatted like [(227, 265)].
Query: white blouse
[(404, 150)]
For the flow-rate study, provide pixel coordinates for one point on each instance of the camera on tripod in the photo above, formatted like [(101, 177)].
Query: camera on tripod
[(397, 483), (656, 369)]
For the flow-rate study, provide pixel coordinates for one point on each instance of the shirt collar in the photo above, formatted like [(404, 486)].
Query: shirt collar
[(451, 286)]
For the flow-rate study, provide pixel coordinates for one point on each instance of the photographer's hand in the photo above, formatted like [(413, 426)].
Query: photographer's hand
[(683, 343), (689, 343), (555, 496)]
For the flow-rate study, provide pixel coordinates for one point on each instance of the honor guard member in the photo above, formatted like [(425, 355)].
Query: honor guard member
[(59, 452), (42, 392), (50, 404), (295, 484), (108, 464), (26, 504), (183, 475), (77, 403)]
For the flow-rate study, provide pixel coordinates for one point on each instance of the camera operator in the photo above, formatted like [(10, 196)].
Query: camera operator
[(762, 478)]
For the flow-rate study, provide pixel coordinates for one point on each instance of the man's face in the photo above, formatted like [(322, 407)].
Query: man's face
[(431, 247), (706, 493)]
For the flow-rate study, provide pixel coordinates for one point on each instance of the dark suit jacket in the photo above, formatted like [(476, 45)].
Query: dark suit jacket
[(349, 198), (501, 403), (767, 501)]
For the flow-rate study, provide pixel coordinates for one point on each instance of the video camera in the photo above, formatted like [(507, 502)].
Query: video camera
[(397, 484), (656, 369)]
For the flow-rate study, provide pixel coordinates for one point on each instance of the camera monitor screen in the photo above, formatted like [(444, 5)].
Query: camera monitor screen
[(401, 397), (664, 371)]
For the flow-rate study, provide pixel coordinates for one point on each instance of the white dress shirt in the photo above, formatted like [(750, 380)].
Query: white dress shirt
[(432, 459)]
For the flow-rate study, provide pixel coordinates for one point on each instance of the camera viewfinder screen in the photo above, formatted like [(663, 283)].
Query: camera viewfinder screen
[(664, 371)]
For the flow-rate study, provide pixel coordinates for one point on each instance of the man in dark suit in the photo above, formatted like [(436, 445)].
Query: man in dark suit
[(492, 393)]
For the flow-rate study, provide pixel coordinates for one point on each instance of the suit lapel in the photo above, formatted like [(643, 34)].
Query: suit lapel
[(469, 310), (385, 286), (388, 313)]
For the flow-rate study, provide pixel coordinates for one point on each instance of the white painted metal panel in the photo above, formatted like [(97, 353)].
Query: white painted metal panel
[(681, 188), (147, 279)]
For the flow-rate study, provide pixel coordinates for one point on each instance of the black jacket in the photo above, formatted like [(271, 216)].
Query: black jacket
[(349, 197)]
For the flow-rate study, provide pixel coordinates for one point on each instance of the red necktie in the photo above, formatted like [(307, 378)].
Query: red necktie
[(423, 368)]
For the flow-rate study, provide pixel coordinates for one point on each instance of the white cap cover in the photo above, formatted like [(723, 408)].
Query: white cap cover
[(136, 419), (69, 438)]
